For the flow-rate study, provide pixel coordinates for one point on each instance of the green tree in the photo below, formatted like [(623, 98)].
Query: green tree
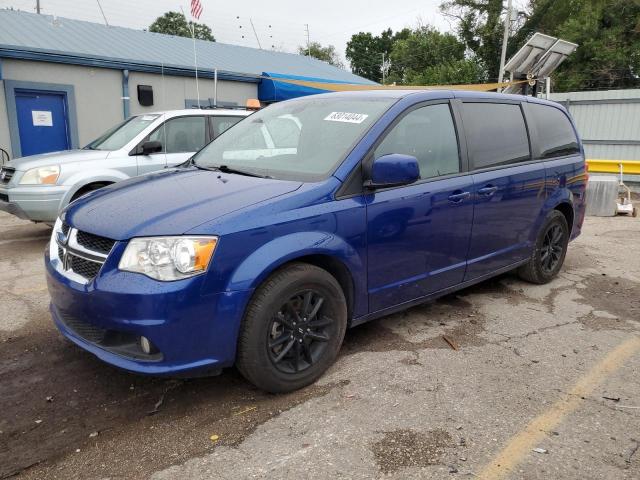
[(326, 54), (429, 57), (364, 52), (175, 23), (480, 26), (608, 36)]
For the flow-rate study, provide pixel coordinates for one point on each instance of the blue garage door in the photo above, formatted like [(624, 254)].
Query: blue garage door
[(42, 122)]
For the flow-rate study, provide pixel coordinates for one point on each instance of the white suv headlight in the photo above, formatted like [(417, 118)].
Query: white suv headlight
[(168, 258), (41, 176)]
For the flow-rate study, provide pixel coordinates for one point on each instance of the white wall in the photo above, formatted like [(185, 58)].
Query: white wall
[(98, 91), (171, 92)]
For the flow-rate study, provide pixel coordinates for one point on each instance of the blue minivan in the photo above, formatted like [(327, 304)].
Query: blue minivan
[(260, 255)]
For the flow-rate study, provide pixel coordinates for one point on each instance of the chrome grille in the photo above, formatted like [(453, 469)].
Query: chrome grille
[(81, 253), (6, 174)]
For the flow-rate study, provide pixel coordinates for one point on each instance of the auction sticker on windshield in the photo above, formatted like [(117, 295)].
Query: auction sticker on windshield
[(346, 117)]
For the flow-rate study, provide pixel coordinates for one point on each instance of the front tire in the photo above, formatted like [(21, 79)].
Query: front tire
[(293, 329), (549, 252)]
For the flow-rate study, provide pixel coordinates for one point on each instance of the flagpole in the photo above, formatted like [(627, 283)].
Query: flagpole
[(195, 54)]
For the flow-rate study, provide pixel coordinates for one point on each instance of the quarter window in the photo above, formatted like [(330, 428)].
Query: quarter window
[(427, 133), (496, 134), (556, 136), (181, 135)]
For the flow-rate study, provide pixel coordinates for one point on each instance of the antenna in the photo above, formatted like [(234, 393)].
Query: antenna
[(306, 26), (255, 33), (99, 6)]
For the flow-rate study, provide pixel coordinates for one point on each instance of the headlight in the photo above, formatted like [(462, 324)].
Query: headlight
[(41, 176), (168, 258)]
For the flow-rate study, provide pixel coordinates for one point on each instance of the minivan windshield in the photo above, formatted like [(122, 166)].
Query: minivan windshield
[(302, 140), (118, 136)]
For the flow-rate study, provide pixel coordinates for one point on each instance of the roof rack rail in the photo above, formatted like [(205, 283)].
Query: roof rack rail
[(252, 104)]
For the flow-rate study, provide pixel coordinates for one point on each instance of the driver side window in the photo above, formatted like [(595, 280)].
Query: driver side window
[(427, 133)]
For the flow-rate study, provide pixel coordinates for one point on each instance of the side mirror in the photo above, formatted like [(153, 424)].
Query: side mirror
[(393, 170), (151, 147)]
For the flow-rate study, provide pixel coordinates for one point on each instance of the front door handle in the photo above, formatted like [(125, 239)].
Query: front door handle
[(459, 197), (488, 190)]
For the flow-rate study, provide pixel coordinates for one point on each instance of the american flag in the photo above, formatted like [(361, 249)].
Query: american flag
[(196, 9)]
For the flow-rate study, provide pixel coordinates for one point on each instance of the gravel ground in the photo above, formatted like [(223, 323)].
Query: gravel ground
[(467, 386)]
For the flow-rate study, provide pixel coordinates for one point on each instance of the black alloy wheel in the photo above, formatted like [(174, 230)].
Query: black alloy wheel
[(299, 332), (552, 248), (292, 329), (549, 251)]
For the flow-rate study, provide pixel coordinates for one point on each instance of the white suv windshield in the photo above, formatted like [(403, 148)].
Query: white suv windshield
[(296, 140), (118, 136)]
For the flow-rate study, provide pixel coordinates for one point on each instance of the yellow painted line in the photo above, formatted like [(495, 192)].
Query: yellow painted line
[(521, 444), (629, 167)]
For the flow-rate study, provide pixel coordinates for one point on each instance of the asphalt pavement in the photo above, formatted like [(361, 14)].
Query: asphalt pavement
[(501, 380)]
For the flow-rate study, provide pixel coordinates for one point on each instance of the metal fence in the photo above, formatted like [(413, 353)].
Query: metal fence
[(608, 122)]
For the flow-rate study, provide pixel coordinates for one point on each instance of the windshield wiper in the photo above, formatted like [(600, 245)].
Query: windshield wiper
[(228, 169)]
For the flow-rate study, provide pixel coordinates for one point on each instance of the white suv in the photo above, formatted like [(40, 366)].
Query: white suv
[(39, 186)]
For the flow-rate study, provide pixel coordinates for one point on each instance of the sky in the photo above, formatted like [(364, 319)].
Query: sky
[(279, 24)]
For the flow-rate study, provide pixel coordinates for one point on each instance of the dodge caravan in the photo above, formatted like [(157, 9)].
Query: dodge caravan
[(262, 256)]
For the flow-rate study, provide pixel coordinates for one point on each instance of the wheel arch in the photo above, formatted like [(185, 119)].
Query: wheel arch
[(566, 209), (84, 182), (322, 249)]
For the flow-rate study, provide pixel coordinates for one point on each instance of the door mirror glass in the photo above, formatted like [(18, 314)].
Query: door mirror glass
[(151, 147), (393, 170)]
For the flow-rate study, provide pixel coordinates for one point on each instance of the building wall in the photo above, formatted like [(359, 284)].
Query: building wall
[(608, 122), (5, 140), (98, 91), (171, 92)]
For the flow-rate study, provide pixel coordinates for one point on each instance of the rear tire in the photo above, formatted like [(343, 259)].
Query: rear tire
[(549, 252), (292, 329)]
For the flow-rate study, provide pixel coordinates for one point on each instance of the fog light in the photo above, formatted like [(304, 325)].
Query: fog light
[(146, 345)]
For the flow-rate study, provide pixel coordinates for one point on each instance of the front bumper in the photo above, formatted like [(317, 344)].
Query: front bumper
[(37, 203), (194, 331)]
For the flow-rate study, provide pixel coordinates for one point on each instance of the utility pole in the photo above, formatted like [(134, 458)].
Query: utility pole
[(505, 39), (38, 7), (306, 26), (386, 65)]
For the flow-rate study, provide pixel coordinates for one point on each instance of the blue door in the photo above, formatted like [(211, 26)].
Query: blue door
[(42, 122), (508, 189), (418, 235)]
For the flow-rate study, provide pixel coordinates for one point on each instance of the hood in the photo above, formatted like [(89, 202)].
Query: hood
[(171, 202), (56, 158)]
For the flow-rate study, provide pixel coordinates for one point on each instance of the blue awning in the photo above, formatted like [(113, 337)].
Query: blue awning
[(271, 89)]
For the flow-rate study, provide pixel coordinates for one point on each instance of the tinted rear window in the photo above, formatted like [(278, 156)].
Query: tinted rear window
[(496, 134), (556, 136)]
